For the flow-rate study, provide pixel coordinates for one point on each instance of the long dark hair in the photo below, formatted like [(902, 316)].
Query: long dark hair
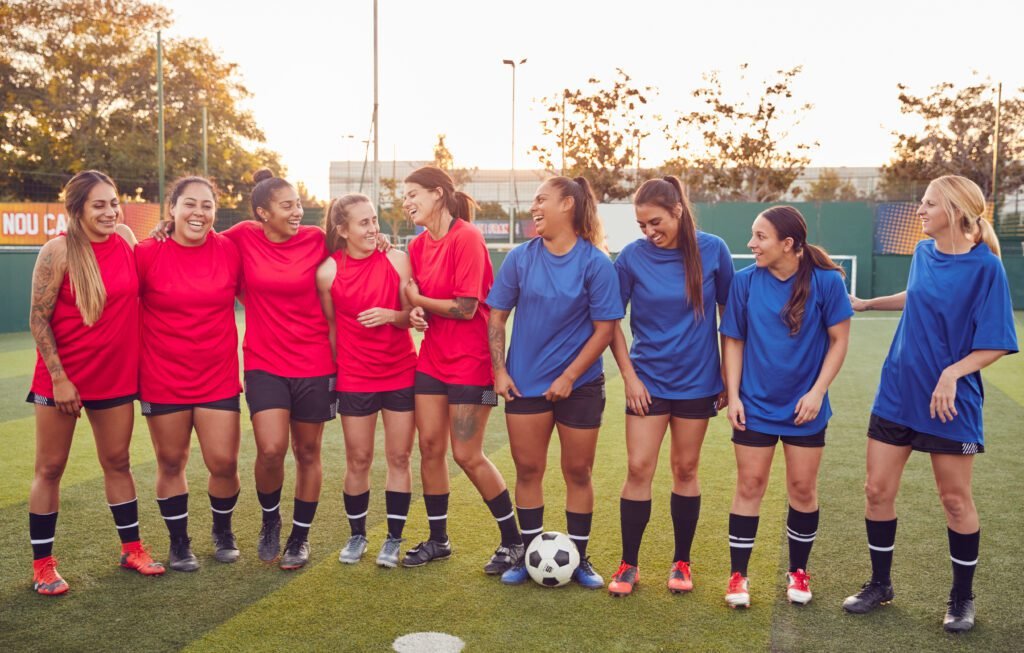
[(584, 218), (668, 193), (790, 223), (460, 205)]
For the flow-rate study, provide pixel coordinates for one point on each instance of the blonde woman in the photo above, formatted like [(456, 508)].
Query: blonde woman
[(85, 321), (957, 319)]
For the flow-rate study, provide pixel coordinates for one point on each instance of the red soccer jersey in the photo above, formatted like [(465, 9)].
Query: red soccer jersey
[(102, 360), (374, 359), (455, 265), (189, 338), (285, 327)]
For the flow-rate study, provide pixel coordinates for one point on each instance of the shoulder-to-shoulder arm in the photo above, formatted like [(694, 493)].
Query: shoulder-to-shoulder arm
[(325, 274), (124, 231), (400, 261)]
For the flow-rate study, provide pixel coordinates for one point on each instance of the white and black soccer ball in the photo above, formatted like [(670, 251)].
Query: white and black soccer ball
[(551, 559)]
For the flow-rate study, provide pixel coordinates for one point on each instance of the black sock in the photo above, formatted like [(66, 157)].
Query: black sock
[(302, 519), (126, 518), (963, 551), (742, 531), (531, 523), (174, 510), (578, 525), (437, 516), (881, 542), (685, 513), (356, 507), (41, 529), (397, 505), (633, 518), (270, 502), (501, 509), (222, 509), (802, 528)]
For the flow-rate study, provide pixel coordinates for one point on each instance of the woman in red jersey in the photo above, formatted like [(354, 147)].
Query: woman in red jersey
[(361, 289), (189, 364), (289, 369), (84, 319), (454, 380)]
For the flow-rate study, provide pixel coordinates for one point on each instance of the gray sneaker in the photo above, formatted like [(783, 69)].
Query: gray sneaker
[(224, 546), (389, 552), (180, 557), (353, 550), (269, 540), (296, 554)]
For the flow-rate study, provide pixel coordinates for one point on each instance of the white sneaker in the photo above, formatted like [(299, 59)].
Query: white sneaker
[(354, 550), (390, 551), (797, 589), (738, 594)]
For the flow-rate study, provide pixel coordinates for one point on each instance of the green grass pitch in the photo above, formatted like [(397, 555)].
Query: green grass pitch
[(329, 606)]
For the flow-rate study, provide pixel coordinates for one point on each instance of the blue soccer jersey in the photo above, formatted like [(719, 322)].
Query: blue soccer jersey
[(556, 299)]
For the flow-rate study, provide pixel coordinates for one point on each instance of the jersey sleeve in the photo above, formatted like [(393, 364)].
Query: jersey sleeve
[(725, 273), (625, 275), (994, 327), (236, 232), (837, 307), (603, 289), (504, 293), (471, 261), (734, 320)]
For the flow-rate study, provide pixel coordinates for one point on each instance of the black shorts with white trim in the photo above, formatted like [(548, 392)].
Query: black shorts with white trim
[(152, 409), (361, 404), (582, 409), (91, 404), (751, 438), (898, 435)]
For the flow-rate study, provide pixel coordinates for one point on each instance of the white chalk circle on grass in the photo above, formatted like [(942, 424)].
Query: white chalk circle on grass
[(428, 643)]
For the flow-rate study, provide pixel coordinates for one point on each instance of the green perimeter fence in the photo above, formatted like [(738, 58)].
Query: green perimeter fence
[(841, 227)]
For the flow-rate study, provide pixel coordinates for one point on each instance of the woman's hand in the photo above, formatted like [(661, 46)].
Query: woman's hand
[(412, 292), (384, 243), (808, 407), (65, 395), (723, 400), (505, 386), (418, 319), (559, 389), (737, 416), (638, 399), (375, 317), (859, 305), (943, 404), (163, 230)]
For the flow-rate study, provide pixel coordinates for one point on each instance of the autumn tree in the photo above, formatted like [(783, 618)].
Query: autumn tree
[(830, 187), (79, 91), (956, 137), (596, 132), (735, 149), (444, 160), (391, 212)]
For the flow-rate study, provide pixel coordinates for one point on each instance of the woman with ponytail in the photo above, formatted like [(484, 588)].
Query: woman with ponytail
[(957, 319), (454, 387), (189, 364), (85, 321), (362, 294), (566, 298), (787, 329), (674, 278)]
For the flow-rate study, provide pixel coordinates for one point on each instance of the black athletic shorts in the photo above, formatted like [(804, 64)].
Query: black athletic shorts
[(150, 409), (477, 395), (581, 410), (685, 408), (756, 439), (91, 404), (361, 404), (309, 399), (892, 433)]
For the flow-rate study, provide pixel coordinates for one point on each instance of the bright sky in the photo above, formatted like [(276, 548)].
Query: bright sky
[(310, 66)]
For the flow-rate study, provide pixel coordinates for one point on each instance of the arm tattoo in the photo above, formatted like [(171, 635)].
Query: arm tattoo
[(464, 308), (496, 337), (44, 299)]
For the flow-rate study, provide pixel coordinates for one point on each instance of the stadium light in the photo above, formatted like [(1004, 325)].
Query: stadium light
[(512, 173)]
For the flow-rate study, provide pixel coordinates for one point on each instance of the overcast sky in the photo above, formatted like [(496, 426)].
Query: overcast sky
[(309, 66)]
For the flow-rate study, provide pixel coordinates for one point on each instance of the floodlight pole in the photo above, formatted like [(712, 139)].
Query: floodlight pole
[(512, 172), (160, 119), (995, 155), (206, 172), (376, 123)]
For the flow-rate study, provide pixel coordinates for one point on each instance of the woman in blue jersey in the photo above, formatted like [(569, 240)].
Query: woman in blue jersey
[(957, 319), (673, 278), (787, 328), (566, 295)]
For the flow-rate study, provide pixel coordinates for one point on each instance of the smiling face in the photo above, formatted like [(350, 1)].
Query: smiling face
[(551, 212), (193, 212), (765, 244), (283, 213), (421, 204), (360, 230), (660, 226), (935, 220), (100, 212)]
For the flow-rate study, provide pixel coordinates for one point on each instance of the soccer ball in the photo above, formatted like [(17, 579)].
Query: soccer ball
[(551, 559)]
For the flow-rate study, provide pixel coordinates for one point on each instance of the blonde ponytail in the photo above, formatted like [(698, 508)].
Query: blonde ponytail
[(83, 269), (964, 203)]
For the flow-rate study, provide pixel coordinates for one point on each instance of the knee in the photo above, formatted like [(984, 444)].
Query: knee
[(271, 457), (640, 471), (432, 449), (877, 494), (359, 462), (49, 472), (306, 454), (577, 475), (684, 471), (467, 457), (116, 463), (956, 504), (751, 487), (803, 492), (398, 459), (172, 465), (222, 466), (529, 472)]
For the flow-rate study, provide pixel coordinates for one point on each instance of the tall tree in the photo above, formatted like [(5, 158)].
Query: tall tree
[(444, 160), (597, 131), (735, 149), (830, 187), (79, 91), (956, 138)]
